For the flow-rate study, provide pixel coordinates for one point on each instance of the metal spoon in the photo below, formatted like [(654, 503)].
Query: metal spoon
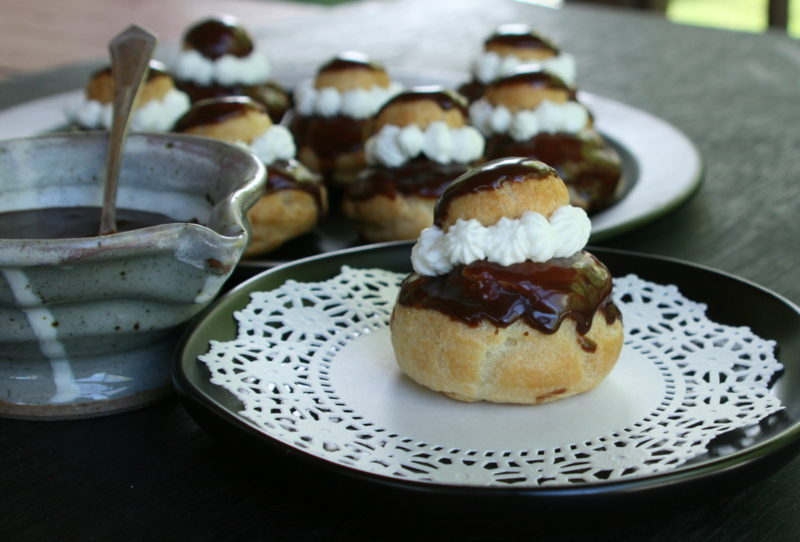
[(131, 52)]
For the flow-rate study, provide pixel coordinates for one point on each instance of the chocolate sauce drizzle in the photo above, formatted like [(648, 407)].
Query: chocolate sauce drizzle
[(541, 294), (589, 167), (521, 36), (216, 37), (292, 175), (490, 176), (217, 110), (420, 177), (445, 98), (532, 75)]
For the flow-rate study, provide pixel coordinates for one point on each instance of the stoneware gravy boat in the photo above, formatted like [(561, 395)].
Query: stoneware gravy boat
[(88, 326)]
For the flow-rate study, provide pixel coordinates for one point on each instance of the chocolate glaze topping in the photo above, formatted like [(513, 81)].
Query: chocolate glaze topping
[(270, 94), (214, 38), (157, 69), (541, 294), (445, 98), (589, 167), (291, 174), (71, 222), (490, 176), (534, 77), (329, 137), (521, 36), (350, 60), (419, 177), (217, 110)]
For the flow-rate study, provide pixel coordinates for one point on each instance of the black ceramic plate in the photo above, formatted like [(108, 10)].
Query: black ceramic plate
[(732, 463)]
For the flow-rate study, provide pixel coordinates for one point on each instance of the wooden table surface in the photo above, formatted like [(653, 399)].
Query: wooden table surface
[(154, 474)]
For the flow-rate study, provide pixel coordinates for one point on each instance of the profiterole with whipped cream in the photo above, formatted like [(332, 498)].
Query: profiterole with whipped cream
[(505, 305), (332, 112), (419, 145)]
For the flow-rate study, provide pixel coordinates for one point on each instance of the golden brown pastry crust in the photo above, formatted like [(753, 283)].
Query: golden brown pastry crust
[(511, 200), (245, 127), (280, 216), (523, 53), (419, 112), (390, 219), (517, 364), (350, 79), (101, 88), (522, 96), (345, 166)]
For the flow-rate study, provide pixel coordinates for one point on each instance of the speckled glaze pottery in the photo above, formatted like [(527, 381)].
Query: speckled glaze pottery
[(89, 326)]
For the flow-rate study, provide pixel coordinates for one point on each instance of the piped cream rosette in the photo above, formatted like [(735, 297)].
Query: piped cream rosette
[(276, 143), (157, 115), (227, 70), (356, 103), (490, 65), (548, 117), (509, 241), (393, 145)]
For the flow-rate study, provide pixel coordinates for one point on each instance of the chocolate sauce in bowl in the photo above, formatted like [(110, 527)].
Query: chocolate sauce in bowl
[(220, 36), (419, 177), (71, 222), (490, 176), (541, 294), (522, 37)]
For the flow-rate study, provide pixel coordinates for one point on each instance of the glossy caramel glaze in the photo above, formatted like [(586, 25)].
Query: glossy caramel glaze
[(542, 294), (591, 169), (215, 111), (521, 36), (71, 222), (220, 36), (292, 175), (420, 177), (270, 94), (489, 177)]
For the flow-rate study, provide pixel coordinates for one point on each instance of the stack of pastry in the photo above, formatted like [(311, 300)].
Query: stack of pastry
[(160, 104), (294, 199), (531, 112), (420, 144), (504, 304), (218, 59), (511, 46), (331, 114)]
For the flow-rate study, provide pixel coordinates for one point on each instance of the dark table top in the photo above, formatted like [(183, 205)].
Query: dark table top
[(154, 474)]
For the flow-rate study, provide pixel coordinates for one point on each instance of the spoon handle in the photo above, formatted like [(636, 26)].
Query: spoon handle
[(131, 52)]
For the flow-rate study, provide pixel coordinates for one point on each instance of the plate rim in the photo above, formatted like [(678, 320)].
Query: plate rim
[(787, 441)]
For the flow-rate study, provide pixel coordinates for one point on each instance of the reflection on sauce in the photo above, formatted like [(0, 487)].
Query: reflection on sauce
[(540, 293), (490, 177), (71, 222)]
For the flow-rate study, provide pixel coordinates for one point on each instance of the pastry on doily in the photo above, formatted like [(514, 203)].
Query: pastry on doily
[(218, 59), (294, 198), (420, 144), (504, 305), (331, 113), (513, 45), (533, 113), (160, 104)]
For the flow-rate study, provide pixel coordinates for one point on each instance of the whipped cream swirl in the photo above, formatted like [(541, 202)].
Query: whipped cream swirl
[(227, 70), (277, 143), (358, 103), (153, 116), (489, 65), (548, 117), (509, 241), (393, 146)]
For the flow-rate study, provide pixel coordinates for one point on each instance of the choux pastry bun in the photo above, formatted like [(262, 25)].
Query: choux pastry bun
[(508, 309)]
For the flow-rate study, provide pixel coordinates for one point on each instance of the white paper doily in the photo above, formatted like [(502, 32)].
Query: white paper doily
[(314, 368)]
